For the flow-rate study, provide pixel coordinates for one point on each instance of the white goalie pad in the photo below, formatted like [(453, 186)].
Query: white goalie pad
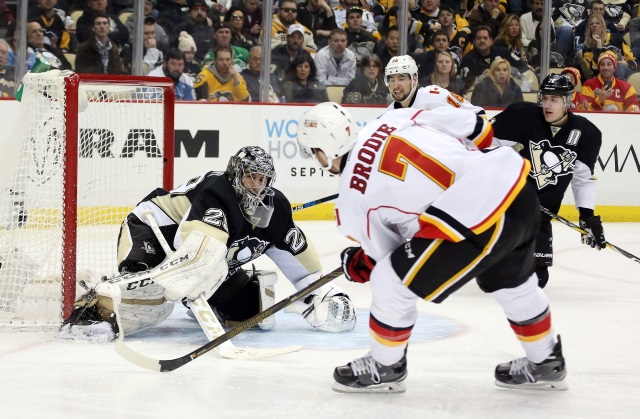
[(198, 267)]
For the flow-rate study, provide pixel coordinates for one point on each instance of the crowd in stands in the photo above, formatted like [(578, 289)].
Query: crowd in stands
[(487, 50)]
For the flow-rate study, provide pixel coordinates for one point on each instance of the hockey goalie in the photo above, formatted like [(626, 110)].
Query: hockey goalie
[(215, 224)]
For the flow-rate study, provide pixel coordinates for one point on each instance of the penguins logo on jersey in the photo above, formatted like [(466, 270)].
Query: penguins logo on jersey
[(243, 250), (548, 162)]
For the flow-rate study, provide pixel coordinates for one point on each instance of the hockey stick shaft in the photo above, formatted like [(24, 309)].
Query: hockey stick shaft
[(313, 203), (577, 228), (173, 364)]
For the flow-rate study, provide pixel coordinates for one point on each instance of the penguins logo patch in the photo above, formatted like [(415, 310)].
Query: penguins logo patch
[(549, 162)]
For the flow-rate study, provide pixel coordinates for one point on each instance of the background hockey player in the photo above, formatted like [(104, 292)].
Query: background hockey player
[(476, 216), (218, 222), (401, 78), (562, 148)]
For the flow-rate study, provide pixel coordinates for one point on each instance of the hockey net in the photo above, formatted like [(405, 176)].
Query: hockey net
[(84, 151)]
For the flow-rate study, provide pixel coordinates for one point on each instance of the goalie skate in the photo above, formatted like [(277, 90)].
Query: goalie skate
[(366, 375), (524, 374)]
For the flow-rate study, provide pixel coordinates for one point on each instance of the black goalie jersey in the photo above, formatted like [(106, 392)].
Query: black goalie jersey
[(208, 203), (558, 155)]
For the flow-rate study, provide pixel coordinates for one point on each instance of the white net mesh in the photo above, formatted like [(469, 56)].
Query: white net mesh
[(119, 161)]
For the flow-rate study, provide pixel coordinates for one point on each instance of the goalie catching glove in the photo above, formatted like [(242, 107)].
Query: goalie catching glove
[(328, 309), (592, 224), (357, 266)]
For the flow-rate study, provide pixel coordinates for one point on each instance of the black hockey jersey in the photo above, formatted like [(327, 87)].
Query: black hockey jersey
[(555, 159), (208, 203)]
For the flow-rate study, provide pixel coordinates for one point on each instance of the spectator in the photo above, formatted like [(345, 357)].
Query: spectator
[(118, 33), (445, 73), (319, 18), (36, 44), (368, 21), (595, 7), (387, 47), (301, 84), (252, 10), (368, 87), (487, 14), (426, 61), (283, 55), (152, 56), (187, 45), (478, 60), (498, 89), (222, 38), (359, 41), (529, 22), (171, 13), (251, 76), (579, 101), (634, 35), (173, 67), (457, 30), (509, 40), (7, 73), (607, 93), (53, 25), (98, 54), (618, 13), (598, 40), (336, 65), (161, 36), (235, 19), (415, 39), (5, 14), (428, 15), (220, 81), (196, 24), (286, 16), (556, 60)]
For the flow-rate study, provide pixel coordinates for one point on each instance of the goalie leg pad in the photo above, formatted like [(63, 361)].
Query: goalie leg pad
[(266, 283), (198, 267)]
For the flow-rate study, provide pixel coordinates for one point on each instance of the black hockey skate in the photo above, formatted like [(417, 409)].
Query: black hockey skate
[(365, 375), (522, 373)]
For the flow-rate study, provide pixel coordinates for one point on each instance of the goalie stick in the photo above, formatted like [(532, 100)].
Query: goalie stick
[(173, 364), (208, 320), (577, 228)]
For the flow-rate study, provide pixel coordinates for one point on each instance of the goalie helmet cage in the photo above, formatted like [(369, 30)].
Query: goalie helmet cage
[(85, 149)]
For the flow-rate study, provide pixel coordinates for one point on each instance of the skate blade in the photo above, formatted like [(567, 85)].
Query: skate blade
[(393, 387), (544, 386)]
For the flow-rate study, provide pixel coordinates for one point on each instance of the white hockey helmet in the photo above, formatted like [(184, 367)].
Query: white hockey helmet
[(402, 64), (329, 127)]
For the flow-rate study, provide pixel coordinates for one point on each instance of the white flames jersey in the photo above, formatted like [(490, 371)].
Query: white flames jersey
[(411, 174), (431, 97)]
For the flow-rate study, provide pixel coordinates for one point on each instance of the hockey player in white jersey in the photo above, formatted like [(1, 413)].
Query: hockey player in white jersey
[(431, 213), (401, 78)]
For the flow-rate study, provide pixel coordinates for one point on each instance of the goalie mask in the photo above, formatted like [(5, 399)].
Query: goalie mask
[(252, 175)]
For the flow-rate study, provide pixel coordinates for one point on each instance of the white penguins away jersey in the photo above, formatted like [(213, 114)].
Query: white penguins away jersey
[(418, 173)]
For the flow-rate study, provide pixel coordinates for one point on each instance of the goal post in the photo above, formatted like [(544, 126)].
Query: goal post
[(85, 149)]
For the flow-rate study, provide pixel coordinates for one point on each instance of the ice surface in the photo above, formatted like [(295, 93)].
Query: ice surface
[(595, 299)]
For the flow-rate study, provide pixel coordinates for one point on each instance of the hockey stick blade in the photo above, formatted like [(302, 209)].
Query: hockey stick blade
[(173, 364), (577, 228), (313, 203)]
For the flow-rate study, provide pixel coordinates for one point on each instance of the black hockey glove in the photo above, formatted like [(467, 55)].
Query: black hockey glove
[(357, 266), (595, 237)]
